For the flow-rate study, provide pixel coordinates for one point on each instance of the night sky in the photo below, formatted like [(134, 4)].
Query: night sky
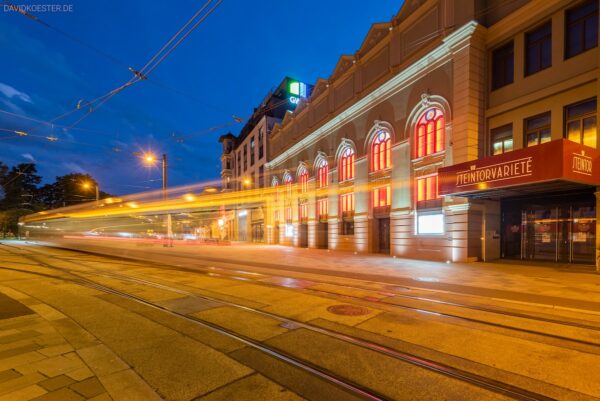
[(224, 68)]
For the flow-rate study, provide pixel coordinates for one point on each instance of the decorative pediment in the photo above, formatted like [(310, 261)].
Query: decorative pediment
[(376, 33), (406, 10), (344, 64), (287, 118), (320, 87)]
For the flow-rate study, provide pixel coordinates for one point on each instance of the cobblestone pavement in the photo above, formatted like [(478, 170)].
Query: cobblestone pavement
[(45, 356)]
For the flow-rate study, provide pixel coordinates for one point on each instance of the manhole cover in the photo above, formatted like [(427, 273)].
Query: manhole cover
[(348, 310)]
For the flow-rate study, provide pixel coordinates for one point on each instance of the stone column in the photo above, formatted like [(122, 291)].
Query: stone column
[(362, 227), (333, 212)]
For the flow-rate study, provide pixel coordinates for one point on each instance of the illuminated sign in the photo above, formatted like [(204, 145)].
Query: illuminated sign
[(496, 172), (551, 161), (296, 91)]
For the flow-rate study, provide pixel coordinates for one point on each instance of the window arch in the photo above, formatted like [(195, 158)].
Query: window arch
[(347, 164), (381, 151), (322, 173), (303, 180), (430, 133)]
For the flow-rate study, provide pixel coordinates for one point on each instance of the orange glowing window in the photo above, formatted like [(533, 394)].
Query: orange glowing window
[(288, 184), (430, 135), (303, 211), (323, 174), (303, 181), (347, 165), (427, 188), (288, 215), (347, 202), (322, 207), (381, 152), (382, 196)]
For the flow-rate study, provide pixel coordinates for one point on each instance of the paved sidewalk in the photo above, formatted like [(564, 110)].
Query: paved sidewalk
[(45, 356), (557, 286)]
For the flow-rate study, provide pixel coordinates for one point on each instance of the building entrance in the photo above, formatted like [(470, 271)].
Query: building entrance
[(384, 235), (322, 234), (555, 229)]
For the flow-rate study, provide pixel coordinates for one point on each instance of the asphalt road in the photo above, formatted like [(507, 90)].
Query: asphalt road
[(84, 326)]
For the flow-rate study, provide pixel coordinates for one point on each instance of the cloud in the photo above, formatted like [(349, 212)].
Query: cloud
[(28, 156), (11, 92), (75, 168)]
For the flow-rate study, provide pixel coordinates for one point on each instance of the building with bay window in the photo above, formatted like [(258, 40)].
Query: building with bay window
[(458, 131)]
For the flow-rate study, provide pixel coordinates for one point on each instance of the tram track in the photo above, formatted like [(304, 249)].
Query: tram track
[(381, 301), (350, 386)]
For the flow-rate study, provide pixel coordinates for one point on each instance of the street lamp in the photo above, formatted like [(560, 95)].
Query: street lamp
[(150, 160), (87, 185)]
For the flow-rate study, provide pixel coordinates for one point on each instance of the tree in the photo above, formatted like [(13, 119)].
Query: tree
[(19, 186), (70, 189)]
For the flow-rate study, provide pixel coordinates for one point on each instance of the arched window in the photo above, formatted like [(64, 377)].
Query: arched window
[(430, 133), (347, 165), (323, 174), (381, 151), (303, 180), (287, 180)]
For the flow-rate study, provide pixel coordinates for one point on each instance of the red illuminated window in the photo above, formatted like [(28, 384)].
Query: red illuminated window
[(347, 203), (381, 152), (347, 165), (288, 215), (430, 133), (323, 174), (382, 197), (303, 211), (303, 181), (322, 207), (288, 184), (427, 188)]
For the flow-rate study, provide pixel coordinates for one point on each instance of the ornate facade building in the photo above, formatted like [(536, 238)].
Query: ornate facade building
[(459, 131)]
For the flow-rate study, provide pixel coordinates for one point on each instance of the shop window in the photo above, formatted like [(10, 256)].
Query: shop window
[(322, 208), (538, 49), (503, 66), (381, 152), (581, 28), (502, 139), (580, 123), (430, 223), (303, 212), (427, 188), (430, 133), (303, 181), (347, 165), (382, 197), (537, 130), (323, 174)]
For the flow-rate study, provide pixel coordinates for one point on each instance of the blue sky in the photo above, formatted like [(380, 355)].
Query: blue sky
[(223, 68)]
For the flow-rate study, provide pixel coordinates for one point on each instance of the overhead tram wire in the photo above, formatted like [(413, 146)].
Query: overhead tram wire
[(141, 74)]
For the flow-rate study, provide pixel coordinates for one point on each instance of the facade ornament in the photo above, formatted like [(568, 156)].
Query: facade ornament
[(425, 99)]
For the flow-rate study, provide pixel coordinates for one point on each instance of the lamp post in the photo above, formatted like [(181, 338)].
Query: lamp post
[(150, 159), (87, 185)]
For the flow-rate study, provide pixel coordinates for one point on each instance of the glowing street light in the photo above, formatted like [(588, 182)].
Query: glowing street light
[(87, 185)]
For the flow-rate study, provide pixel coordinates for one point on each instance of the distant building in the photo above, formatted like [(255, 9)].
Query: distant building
[(244, 156)]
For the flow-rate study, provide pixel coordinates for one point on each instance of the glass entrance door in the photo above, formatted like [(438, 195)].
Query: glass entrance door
[(555, 228), (559, 234)]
